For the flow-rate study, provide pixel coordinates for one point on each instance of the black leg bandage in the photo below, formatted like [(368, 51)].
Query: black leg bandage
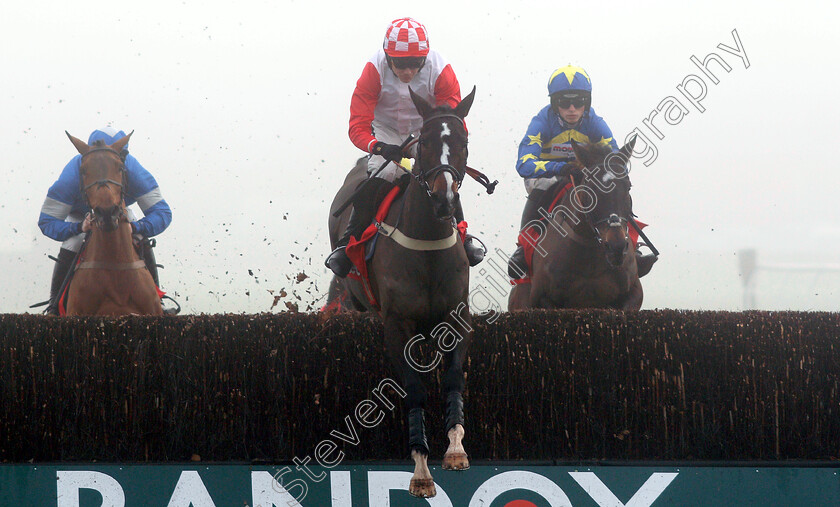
[(454, 410), (417, 431)]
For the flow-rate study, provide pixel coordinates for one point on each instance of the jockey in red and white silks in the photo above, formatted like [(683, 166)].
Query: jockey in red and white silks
[(381, 108), (382, 115)]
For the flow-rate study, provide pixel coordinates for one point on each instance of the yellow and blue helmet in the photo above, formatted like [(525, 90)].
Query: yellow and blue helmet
[(569, 78), (570, 81)]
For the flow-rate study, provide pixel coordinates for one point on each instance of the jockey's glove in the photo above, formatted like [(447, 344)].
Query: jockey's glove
[(390, 152), (560, 168)]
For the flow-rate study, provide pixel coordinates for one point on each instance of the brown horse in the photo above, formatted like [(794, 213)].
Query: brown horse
[(110, 278), (338, 297), (584, 257), (419, 276)]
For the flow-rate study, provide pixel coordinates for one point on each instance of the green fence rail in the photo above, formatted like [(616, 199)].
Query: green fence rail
[(171, 485)]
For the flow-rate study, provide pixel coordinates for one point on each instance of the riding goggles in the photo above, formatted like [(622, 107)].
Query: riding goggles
[(410, 62), (565, 103)]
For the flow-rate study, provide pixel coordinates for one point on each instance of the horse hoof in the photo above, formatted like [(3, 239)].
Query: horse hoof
[(455, 461), (422, 488)]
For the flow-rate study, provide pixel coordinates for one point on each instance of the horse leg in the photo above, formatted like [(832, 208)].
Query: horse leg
[(397, 333), (455, 457), (633, 299), (422, 484), (519, 298)]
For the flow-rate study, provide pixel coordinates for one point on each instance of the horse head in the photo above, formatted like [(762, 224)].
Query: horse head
[(602, 195), (442, 152), (102, 180)]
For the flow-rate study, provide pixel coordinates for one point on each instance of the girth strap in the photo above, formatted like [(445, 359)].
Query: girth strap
[(417, 244), (112, 266)]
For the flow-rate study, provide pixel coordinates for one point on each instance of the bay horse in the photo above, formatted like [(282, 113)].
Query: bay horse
[(419, 276), (584, 256), (110, 278)]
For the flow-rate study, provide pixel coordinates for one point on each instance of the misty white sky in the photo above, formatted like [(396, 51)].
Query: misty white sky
[(240, 111)]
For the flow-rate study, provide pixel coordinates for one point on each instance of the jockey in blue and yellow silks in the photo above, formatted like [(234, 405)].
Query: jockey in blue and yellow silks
[(547, 145)]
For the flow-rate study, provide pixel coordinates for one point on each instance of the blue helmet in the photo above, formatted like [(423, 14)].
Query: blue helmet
[(108, 134), (569, 78)]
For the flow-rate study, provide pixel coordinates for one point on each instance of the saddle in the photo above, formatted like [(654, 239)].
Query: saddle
[(529, 237)]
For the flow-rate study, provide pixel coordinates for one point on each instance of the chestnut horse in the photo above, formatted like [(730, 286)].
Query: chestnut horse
[(419, 276), (584, 257), (110, 278)]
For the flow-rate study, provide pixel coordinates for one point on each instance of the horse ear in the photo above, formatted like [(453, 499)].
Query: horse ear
[(627, 149), (464, 106), (80, 145), (422, 106), (580, 153), (120, 144)]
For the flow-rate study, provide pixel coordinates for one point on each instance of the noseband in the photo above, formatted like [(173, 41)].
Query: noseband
[(432, 173)]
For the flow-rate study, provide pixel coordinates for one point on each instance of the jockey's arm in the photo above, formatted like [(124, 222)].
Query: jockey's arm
[(59, 202), (529, 163), (143, 189), (362, 106), (448, 89), (601, 132)]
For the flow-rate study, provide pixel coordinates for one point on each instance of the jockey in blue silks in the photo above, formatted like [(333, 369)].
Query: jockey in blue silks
[(547, 146), (64, 212)]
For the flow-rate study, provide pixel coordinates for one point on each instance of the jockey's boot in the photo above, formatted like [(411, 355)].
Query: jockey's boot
[(644, 262), (62, 266), (475, 253), (147, 252), (516, 264), (364, 208), (148, 256)]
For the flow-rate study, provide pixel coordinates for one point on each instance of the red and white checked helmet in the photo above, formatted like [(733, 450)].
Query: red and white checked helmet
[(406, 37)]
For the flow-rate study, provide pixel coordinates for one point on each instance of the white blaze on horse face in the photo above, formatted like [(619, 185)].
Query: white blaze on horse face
[(444, 150), (449, 183), (444, 160), (608, 176)]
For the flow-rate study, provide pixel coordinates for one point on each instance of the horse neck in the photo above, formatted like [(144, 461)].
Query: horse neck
[(418, 220), (116, 246), (582, 225)]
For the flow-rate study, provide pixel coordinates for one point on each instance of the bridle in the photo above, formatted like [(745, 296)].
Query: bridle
[(105, 181), (424, 175), (613, 220)]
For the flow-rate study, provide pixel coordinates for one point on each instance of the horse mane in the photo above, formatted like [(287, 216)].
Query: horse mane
[(595, 154), (596, 151)]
